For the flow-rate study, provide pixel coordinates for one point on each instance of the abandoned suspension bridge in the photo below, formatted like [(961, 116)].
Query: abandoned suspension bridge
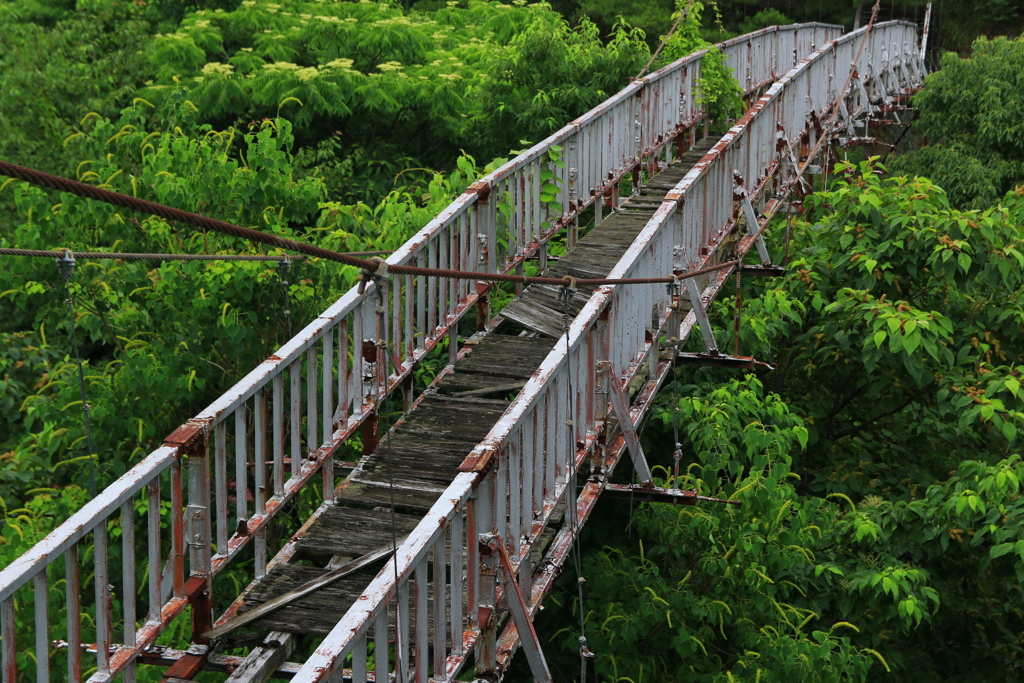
[(429, 557)]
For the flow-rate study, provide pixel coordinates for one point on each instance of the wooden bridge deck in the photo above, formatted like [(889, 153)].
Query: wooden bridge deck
[(539, 309), (426, 448)]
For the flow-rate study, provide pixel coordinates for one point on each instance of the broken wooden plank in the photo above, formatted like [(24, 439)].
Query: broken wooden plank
[(302, 591)]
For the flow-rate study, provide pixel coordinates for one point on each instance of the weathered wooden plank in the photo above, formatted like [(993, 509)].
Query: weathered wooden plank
[(347, 532), (455, 382), (315, 614), (375, 494), (506, 356)]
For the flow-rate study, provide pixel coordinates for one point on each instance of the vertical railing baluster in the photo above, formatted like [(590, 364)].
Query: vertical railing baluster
[(220, 476), (241, 468), (421, 300), (359, 660), (73, 583), (472, 562), (42, 629), (343, 398), (546, 447), (177, 530), (260, 452), (327, 399), (501, 497), (486, 523), (422, 643), (327, 380), (380, 645), (359, 331), (8, 641), (396, 336), (432, 295), (295, 426), (102, 597), (128, 579), (526, 507), (515, 473), (456, 540), (311, 403), (409, 313), (402, 633), (260, 479), (153, 546), (440, 604), (278, 433), (453, 263)]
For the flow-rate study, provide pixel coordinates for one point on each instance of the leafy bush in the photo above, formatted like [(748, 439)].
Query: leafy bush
[(52, 76), (367, 83), (972, 112)]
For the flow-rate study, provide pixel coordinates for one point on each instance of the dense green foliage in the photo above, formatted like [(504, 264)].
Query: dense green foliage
[(51, 76), (972, 112), (367, 81)]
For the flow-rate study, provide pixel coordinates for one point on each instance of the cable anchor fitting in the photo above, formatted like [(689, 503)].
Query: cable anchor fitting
[(378, 276), (66, 264)]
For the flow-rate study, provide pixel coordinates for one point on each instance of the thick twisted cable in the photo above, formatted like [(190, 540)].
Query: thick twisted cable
[(135, 204), (99, 255), (117, 199)]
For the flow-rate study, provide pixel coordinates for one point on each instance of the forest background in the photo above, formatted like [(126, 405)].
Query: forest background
[(879, 466)]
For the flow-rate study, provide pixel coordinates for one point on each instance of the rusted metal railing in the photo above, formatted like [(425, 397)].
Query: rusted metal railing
[(230, 470), (509, 486)]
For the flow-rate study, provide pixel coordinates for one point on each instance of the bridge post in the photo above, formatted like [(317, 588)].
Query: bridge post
[(603, 377), (371, 432), (483, 527), (200, 535), (485, 246)]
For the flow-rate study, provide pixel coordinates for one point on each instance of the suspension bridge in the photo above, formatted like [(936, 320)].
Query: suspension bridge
[(428, 559)]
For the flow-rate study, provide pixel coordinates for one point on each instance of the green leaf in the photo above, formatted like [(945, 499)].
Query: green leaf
[(1009, 430), (1000, 550), (964, 260)]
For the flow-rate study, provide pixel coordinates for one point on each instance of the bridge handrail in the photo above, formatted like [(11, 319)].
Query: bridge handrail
[(615, 329), (323, 372)]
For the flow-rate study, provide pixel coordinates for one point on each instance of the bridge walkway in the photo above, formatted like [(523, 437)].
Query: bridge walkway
[(426, 447)]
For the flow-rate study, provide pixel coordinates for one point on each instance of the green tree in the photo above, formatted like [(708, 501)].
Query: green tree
[(56, 66), (972, 113), (376, 90)]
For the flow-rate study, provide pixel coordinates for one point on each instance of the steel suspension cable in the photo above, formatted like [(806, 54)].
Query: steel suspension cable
[(369, 267), (144, 206), (102, 255)]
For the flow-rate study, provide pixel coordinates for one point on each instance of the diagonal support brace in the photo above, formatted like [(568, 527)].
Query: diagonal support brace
[(753, 225), (697, 305), (621, 408), (696, 301), (521, 614)]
